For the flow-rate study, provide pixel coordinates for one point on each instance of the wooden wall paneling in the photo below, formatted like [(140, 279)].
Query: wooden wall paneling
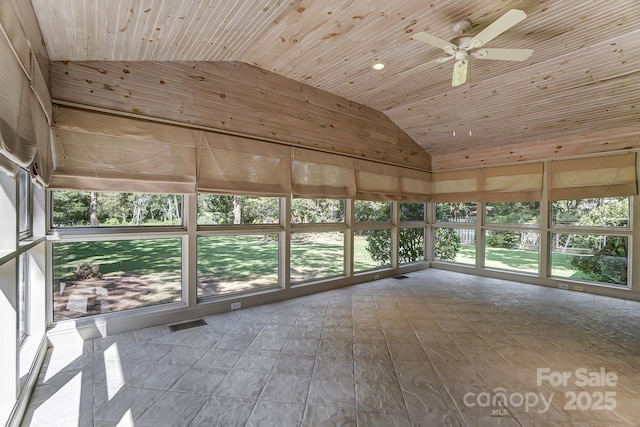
[(239, 98)]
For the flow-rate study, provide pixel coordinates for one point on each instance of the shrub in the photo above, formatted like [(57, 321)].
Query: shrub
[(607, 265), (502, 239), (447, 244)]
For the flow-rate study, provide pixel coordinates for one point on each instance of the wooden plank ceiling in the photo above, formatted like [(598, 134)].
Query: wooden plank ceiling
[(577, 94)]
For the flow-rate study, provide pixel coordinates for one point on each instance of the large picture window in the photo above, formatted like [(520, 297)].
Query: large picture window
[(238, 263), (97, 277), (316, 256)]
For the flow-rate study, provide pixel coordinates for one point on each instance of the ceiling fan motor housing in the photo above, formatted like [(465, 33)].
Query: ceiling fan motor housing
[(461, 26)]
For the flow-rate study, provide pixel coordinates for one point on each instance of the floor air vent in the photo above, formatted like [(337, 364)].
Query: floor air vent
[(401, 277), (187, 325)]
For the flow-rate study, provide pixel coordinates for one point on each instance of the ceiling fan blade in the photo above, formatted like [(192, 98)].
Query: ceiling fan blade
[(433, 40), (499, 26), (459, 73), (503, 54), (425, 66)]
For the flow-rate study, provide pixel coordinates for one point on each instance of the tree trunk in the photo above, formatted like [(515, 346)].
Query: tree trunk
[(237, 210), (93, 209)]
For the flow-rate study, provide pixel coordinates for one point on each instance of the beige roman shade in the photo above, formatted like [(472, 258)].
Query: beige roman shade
[(100, 152), (323, 175), (517, 183), (415, 186), (230, 164), (376, 181), (25, 103), (594, 177), (456, 186), (17, 139)]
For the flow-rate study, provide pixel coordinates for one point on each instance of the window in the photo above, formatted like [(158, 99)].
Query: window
[(368, 211), (590, 257), (411, 239), (517, 248), (215, 209), (455, 242), (371, 249), (411, 245), (371, 242), (238, 263), (24, 204), (606, 212), (591, 239), (316, 255), (97, 277), (512, 213), (317, 211), (456, 212), (412, 212), (103, 209), (518, 251)]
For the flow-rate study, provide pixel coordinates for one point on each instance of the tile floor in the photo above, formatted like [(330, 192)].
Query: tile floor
[(435, 349)]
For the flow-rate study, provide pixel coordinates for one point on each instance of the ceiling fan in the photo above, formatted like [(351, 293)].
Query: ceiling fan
[(463, 47)]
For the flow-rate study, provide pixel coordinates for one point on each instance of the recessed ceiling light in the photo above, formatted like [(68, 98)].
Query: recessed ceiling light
[(378, 66)]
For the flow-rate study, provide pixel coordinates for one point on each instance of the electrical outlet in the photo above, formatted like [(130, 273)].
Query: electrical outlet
[(578, 288), (376, 277), (563, 286), (236, 305)]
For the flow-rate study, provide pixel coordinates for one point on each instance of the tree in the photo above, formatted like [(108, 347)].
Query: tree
[(93, 209)]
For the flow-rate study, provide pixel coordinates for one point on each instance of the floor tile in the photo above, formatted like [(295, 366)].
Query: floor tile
[(242, 384), (286, 388), (224, 411), (200, 380), (379, 353), (172, 409), (329, 416), (274, 414), (332, 393)]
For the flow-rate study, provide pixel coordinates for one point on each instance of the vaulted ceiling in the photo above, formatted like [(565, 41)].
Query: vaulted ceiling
[(577, 94)]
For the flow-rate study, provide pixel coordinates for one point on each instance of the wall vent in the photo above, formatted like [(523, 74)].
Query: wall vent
[(187, 325)]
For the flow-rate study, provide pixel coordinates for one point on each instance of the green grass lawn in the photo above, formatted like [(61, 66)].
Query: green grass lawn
[(229, 264), (520, 260)]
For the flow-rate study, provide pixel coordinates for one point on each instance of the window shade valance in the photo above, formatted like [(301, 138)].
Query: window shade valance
[(517, 183), (230, 164), (493, 184), (375, 181), (99, 152), (458, 186), (604, 176), (415, 186), (315, 174)]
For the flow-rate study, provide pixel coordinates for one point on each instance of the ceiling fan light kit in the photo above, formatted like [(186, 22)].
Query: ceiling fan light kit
[(463, 47)]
